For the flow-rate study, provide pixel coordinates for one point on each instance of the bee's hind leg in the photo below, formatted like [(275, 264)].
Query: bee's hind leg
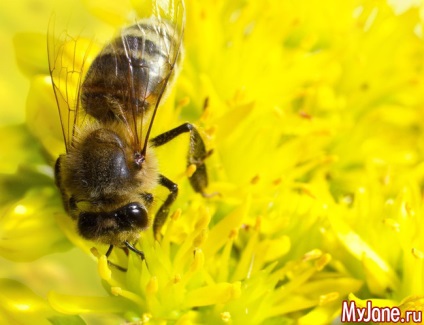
[(196, 155)]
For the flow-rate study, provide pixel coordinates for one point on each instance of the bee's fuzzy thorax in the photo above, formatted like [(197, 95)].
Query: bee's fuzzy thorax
[(99, 169)]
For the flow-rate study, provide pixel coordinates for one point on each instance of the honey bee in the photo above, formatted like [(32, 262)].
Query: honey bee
[(109, 171)]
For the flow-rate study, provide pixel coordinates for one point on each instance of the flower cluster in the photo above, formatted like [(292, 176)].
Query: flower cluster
[(314, 114)]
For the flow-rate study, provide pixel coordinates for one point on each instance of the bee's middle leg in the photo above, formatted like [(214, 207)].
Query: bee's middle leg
[(163, 211)]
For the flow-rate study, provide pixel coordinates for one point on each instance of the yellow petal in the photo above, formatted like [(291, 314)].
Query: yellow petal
[(213, 294), (75, 305)]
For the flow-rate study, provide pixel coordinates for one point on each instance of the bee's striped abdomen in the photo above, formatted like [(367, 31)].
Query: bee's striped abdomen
[(131, 72)]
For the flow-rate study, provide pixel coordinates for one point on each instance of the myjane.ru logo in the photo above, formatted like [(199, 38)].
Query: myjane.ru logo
[(353, 313)]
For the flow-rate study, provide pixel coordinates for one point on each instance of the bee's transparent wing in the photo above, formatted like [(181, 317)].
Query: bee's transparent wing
[(135, 71), (68, 59), (160, 23)]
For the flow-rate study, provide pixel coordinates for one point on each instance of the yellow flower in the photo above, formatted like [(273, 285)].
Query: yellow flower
[(314, 112)]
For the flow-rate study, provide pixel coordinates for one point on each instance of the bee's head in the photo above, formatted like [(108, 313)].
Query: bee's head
[(115, 227)]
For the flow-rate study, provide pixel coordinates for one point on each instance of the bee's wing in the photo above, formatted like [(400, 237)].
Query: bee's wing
[(160, 25), (135, 68), (68, 60)]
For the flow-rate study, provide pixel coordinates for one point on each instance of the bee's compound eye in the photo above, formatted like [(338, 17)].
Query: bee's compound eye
[(89, 225), (136, 214)]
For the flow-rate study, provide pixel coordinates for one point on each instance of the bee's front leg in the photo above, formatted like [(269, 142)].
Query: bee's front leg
[(120, 268)]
